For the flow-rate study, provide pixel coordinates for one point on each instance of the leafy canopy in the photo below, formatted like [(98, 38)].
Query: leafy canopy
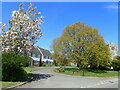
[(83, 44)]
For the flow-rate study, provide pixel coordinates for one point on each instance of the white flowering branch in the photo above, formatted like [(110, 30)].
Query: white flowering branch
[(24, 30)]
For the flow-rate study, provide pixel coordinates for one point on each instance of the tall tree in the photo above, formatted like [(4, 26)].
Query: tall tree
[(83, 44), (24, 30), (57, 47)]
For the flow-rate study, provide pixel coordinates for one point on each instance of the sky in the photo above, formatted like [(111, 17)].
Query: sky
[(57, 15)]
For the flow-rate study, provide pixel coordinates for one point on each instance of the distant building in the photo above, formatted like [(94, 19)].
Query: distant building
[(113, 49), (40, 56)]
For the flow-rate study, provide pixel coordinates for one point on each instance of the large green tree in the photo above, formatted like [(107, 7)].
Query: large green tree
[(59, 54), (116, 63), (83, 44)]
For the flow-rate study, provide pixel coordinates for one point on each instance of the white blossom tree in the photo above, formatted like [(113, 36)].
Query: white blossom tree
[(23, 31)]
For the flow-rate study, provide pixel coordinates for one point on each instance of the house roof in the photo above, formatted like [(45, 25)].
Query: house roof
[(34, 50), (45, 52)]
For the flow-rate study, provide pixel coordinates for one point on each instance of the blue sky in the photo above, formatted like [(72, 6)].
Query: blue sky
[(57, 15)]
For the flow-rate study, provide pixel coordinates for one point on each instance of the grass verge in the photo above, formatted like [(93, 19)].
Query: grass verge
[(10, 84), (95, 73), (37, 67)]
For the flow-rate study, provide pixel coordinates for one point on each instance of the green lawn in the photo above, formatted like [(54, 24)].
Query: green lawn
[(37, 67), (9, 84), (95, 73)]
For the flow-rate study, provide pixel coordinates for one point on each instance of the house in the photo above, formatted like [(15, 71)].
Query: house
[(40, 56), (113, 49)]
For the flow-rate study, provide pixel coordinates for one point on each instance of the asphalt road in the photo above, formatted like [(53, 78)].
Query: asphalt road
[(46, 78)]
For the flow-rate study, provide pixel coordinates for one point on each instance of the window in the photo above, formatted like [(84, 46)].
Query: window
[(44, 57), (113, 48), (36, 55), (33, 55)]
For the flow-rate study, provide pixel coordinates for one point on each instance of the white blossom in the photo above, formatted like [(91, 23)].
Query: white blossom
[(23, 31)]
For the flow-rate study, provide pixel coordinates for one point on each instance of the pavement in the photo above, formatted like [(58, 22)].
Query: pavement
[(46, 78)]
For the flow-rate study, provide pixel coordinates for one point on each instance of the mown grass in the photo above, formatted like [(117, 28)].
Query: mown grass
[(37, 67), (86, 73), (9, 84)]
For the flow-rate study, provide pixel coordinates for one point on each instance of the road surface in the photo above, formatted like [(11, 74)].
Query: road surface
[(46, 78)]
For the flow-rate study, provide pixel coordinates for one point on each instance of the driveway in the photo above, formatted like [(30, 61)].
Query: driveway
[(46, 78)]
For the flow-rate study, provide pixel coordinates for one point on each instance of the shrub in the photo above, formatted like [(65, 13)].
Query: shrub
[(55, 63), (43, 65), (12, 67), (13, 73), (116, 64), (61, 69)]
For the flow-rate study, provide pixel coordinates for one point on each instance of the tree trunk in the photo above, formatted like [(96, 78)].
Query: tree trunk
[(40, 64)]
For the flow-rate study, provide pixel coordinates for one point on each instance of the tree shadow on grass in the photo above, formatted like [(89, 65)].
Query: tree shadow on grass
[(100, 71), (39, 76)]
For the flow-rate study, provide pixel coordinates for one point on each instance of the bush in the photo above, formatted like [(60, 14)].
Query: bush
[(55, 63), (116, 65), (61, 69), (12, 67), (24, 59), (13, 73), (43, 65)]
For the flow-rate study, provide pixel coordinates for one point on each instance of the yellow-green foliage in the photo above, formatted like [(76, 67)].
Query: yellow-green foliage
[(83, 44)]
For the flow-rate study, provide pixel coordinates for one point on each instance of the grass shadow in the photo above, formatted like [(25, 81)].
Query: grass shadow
[(99, 71)]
